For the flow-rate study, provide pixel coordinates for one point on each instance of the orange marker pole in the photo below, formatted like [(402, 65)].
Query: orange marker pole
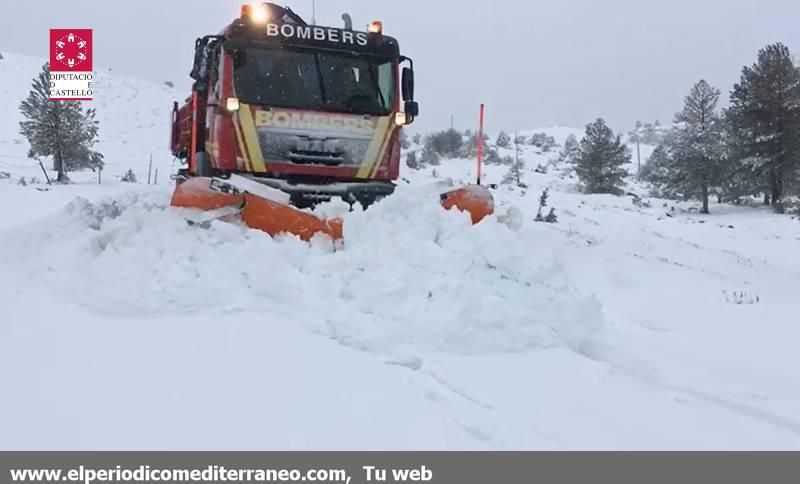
[(480, 144)]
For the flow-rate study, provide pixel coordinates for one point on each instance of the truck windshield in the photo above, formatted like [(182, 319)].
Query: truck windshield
[(320, 81)]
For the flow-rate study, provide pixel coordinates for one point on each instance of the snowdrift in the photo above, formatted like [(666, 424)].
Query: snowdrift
[(411, 277), (422, 333)]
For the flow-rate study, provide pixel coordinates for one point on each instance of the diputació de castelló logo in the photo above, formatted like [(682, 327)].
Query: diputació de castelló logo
[(71, 69)]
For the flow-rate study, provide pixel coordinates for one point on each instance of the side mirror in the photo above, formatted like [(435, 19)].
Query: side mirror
[(408, 84), (412, 108), (202, 48), (197, 64), (409, 113)]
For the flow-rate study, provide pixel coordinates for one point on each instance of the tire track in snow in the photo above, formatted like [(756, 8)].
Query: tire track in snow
[(649, 377), (457, 391), (745, 410), (740, 259), (461, 419), (475, 422)]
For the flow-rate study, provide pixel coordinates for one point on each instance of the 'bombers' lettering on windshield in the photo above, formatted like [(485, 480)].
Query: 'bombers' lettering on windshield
[(322, 34), (313, 122)]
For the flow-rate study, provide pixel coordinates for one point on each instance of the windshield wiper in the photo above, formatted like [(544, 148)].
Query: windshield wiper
[(323, 97), (377, 86)]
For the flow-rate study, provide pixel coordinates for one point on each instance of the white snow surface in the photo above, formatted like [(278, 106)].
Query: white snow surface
[(620, 327), (134, 121)]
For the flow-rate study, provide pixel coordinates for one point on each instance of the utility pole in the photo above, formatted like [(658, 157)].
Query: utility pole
[(638, 157), (480, 142), (451, 122)]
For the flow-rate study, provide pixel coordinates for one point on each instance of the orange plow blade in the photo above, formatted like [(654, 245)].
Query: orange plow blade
[(266, 213), (267, 209), (476, 200), (275, 218), (197, 193)]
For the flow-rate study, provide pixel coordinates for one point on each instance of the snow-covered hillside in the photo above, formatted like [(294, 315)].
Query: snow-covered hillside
[(622, 326), (134, 118)]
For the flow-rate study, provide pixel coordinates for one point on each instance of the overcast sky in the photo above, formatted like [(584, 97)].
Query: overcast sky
[(534, 63)]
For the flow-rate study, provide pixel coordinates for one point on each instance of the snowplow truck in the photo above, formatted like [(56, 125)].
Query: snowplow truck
[(284, 115)]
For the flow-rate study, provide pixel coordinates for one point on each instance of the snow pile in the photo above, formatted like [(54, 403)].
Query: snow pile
[(412, 276), (475, 337)]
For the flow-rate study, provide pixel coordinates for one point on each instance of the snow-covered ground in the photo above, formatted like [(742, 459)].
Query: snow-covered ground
[(622, 326), (134, 121)]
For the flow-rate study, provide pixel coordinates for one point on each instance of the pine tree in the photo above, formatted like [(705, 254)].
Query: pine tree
[(514, 174), (469, 147), (411, 160), (543, 141), (656, 169), (445, 143), (601, 159), (429, 156), (503, 140), (129, 177), (551, 216), (697, 150), (739, 180), (765, 119), (491, 156), (60, 129), (542, 204), (405, 143), (571, 150)]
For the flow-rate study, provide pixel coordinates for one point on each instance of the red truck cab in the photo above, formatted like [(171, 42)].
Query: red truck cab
[(313, 111)]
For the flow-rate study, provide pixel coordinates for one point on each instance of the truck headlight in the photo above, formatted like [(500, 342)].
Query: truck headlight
[(232, 104)]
